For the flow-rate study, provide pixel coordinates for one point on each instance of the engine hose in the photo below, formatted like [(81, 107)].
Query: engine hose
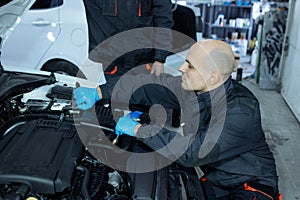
[(84, 185), (18, 197), (97, 179), (21, 192)]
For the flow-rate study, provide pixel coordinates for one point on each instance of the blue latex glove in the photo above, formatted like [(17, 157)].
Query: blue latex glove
[(85, 97), (126, 126)]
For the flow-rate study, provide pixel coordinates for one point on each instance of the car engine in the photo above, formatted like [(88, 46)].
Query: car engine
[(41, 154)]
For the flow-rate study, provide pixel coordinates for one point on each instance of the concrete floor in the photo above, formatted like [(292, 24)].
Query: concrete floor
[(283, 135)]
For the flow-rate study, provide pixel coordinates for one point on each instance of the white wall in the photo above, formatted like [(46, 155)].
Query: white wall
[(291, 64)]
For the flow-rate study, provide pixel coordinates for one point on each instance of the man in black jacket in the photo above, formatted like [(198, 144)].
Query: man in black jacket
[(221, 123), (107, 18), (126, 36)]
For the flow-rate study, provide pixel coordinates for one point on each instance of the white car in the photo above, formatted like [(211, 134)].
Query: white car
[(51, 36)]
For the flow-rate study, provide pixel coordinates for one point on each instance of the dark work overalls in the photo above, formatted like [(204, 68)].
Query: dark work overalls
[(107, 18)]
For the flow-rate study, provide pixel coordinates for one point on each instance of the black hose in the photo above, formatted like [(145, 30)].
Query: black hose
[(97, 175), (18, 197), (84, 185), (21, 192)]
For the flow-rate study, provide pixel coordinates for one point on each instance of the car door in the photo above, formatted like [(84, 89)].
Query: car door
[(33, 36)]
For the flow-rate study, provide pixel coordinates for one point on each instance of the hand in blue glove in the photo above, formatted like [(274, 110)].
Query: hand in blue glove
[(126, 125), (85, 97)]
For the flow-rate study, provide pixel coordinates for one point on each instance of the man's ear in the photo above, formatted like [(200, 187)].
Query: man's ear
[(214, 78)]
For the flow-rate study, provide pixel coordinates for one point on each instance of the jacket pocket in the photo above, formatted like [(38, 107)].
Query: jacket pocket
[(110, 7)]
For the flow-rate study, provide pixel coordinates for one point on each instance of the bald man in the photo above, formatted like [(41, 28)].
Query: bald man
[(221, 125), (208, 65)]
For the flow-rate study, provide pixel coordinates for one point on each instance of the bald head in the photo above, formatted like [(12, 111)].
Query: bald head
[(208, 65), (216, 55)]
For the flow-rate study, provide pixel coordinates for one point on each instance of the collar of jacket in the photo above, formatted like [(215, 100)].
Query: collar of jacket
[(216, 93)]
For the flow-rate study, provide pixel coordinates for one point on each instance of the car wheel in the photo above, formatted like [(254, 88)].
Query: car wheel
[(63, 67)]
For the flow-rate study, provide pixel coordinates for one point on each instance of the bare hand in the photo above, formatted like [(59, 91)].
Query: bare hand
[(157, 68)]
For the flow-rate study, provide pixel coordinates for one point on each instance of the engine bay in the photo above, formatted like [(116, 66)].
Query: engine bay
[(42, 156)]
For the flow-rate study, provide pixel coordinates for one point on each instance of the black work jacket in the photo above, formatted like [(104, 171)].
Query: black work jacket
[(107, 18), (222, 130)]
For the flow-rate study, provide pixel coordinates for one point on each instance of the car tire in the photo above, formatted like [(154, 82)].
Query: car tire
[(63, 67)]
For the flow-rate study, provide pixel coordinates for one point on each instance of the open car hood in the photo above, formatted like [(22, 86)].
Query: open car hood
[(10, 15)]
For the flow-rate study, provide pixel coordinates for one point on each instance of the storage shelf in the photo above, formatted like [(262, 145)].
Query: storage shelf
[(210, 12), (226, 26), (232, 6)]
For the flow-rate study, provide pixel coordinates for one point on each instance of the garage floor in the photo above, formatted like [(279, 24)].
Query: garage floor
[(283, 135)]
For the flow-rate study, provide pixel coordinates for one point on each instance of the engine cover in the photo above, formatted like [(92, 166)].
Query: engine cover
[(41, 153)]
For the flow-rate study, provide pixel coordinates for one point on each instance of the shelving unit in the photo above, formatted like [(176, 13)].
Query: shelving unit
[(210, 13)]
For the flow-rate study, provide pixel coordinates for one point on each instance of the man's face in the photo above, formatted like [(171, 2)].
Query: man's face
[(194, 75)]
